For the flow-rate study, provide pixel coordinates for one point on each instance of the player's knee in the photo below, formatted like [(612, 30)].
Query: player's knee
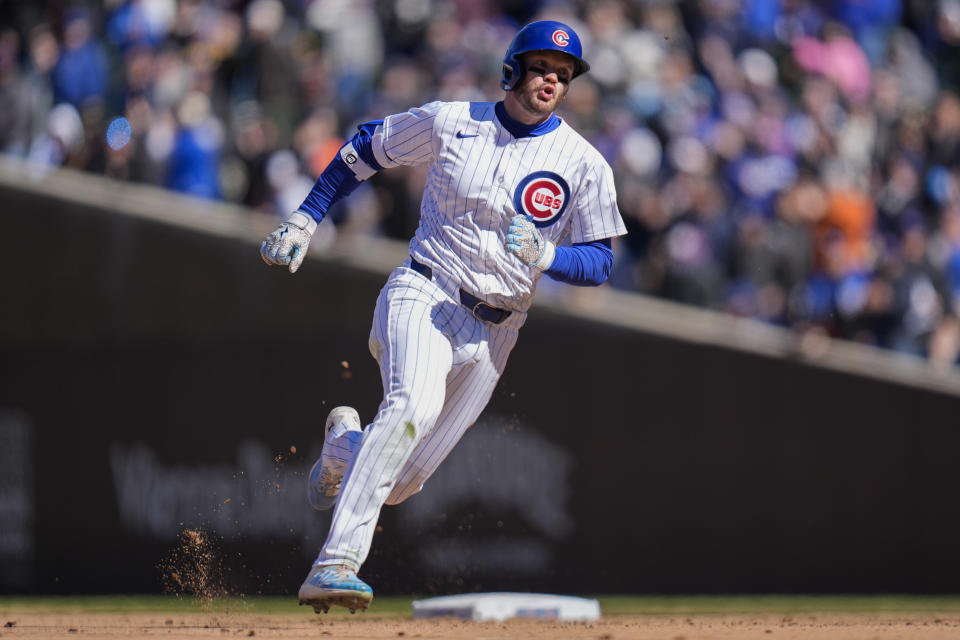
[(411, 423)]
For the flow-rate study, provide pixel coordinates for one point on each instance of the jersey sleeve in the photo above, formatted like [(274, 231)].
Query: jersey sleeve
[(597, 216), (406, 138)]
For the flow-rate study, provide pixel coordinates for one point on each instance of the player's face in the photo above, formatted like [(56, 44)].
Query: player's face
[(548, 76)]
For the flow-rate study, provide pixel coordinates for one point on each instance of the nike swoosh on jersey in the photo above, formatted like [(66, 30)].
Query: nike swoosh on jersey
[(461, 134)]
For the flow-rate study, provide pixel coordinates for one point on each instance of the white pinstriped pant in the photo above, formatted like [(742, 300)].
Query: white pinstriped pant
[(439, 365)]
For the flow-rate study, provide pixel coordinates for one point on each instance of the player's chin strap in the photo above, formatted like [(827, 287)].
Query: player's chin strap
[(525, 241)]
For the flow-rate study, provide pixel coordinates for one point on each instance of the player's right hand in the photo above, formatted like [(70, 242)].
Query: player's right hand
[(287, 244), (525, 241)]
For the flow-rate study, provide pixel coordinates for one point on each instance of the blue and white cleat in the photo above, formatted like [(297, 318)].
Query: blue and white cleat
[(328, 585), (341, 439)]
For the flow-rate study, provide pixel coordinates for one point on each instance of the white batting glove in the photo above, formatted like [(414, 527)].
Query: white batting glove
[(525, 241), (287, 244)]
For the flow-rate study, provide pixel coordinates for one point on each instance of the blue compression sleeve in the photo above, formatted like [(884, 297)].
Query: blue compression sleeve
[(338, 180), (586, 264)]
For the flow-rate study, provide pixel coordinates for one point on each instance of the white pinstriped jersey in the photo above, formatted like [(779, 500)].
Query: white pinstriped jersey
[(480, 176), (439, 362)]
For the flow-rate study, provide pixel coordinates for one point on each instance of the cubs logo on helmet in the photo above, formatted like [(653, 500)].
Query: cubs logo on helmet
[(543, 196), (561, 38)]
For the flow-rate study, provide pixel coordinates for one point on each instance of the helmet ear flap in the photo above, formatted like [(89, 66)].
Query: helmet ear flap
[(511, 75)]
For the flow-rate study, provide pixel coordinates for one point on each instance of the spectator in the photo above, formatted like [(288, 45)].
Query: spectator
[(15, 107), (61, 140), (81, 74), (193, 165), (143, 23)]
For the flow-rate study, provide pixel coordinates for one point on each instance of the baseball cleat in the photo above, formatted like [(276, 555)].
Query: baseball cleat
[(329, 585), (341, 438)]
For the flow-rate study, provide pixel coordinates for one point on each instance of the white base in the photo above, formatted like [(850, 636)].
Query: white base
[(501, 606)]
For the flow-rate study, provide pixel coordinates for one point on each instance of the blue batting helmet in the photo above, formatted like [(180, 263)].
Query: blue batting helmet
[(544, 35)]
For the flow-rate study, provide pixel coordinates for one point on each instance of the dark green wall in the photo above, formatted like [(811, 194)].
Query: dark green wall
[(665, 466)]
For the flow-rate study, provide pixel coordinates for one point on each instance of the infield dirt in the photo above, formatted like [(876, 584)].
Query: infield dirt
[(35, 625)]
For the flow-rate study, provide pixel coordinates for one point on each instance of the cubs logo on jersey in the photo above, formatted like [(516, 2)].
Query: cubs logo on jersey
[(543, 196)]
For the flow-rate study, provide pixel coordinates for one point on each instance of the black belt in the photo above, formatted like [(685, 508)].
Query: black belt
[(479, 308)]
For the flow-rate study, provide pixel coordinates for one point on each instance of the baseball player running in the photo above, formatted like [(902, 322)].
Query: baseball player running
[(512, 193)]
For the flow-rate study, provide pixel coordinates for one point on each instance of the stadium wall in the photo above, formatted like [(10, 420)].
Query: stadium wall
[(157, 377)]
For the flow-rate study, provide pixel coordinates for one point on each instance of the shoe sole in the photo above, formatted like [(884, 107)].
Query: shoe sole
[(335, 416), (325, 502), (340, 598)]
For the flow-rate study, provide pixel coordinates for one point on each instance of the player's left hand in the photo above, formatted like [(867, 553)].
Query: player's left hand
[(525, 241), (287, 244)]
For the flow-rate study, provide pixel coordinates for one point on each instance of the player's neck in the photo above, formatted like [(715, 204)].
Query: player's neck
[(520, 130), (524, 116)]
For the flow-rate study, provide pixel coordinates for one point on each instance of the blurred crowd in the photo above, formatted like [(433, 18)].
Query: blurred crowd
[(794, 161)]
